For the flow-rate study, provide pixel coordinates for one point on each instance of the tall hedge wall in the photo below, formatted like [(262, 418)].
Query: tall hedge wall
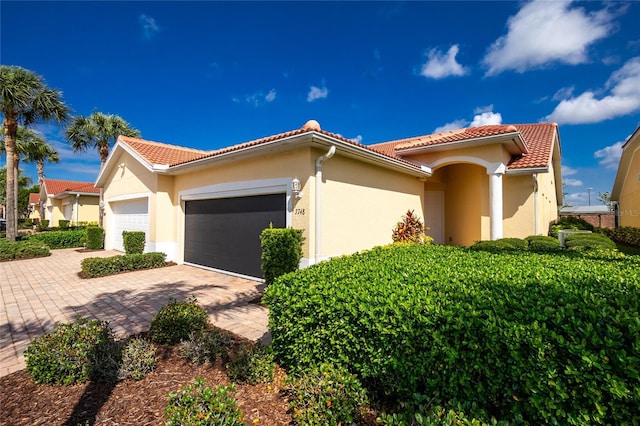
[(548, 338)]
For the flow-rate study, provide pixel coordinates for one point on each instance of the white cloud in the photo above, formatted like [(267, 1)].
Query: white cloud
[(316, 93), (149, 26), (257, 98), (623, 98), (568, 171), (577, 198), (440, 65), (609, 156), (572, 182), (271, 96), (544, 32), (483, 116), (357, 139), (563, 93)]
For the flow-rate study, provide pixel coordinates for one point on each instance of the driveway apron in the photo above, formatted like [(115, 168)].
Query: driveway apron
[(38, 293)]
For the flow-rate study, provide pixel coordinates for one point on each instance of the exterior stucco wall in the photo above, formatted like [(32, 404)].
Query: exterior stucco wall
[(362, 203), (88, 209), (518, 206), (487, 153), (629, 203)]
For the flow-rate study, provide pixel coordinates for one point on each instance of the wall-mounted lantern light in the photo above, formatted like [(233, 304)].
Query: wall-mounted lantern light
[(295, 188)]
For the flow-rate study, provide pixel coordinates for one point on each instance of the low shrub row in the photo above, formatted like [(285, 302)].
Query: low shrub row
[(571, 223), (588, 241), (198, 404), (534, 243), (61, 239), (626, 235), (93, 267), (525, 337), (281, 251), (15, 250)]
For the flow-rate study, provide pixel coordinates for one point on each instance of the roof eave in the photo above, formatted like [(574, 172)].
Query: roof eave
[(527, 170), (108, 165), (514, 137)]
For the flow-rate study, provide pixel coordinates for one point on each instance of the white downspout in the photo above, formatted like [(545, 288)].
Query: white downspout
[(318, 208), (77, 198), (536, 212)]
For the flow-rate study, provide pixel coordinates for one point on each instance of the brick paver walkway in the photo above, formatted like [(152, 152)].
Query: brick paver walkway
[(37, 293)]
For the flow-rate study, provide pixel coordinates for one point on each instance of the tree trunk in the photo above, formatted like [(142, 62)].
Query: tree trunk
[(40, 167), (104, 153), (10, 132)]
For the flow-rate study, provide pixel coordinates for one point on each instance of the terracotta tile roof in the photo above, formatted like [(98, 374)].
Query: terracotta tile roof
[(34, 198), (162, 153), (538, 137), (56, 186)]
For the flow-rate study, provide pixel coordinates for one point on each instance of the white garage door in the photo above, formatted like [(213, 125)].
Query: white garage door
[(129, 216)]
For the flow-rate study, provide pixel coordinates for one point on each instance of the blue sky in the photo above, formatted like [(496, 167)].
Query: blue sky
[(213, 74)]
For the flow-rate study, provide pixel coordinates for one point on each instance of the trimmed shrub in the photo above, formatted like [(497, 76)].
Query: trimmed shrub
[(410, 230), (133, 242), (543, 244), (542, 337), (593, 241), (326, 395), (138, 359), (281, 251), (176, 321), (74, 352), (496, 246), (252, 365), (626, 235), (61, 239), (44, 225), (206, 346), (569, 222), (15, 250), (94, 237), (26, 222), (199, 405), (93, 267), (64, 224)]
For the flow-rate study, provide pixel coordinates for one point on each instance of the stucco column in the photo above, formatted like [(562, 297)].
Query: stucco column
[(495, 172)]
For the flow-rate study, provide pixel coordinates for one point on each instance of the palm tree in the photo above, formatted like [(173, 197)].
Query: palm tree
[(98, 131), (39, 151), (24, 99)]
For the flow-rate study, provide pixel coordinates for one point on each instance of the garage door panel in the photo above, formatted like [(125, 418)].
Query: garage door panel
[(129, 216), (225, 233)]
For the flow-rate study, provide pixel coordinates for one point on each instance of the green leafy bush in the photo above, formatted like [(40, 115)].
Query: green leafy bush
[(93, 267), (496, 246), (326, 395), (252, 365), (206, 346), (176, 321), (94, 237), (569, 222), (74, 352), (15, 250), (553, 339), (281, 251), (543, 244), (64, 224), (626, 235), (44, 225), (583, 241), (26, 222), (61, 239), (410, 230), (138, 359), (199, 405), (133, 242)]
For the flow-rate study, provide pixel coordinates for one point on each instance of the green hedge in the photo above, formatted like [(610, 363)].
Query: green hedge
[(534, 243), (14, 250), (569, 222), (94, 237), (64, 224), (100, 266), (44, 224), (133, 241), (586, 241), (281, 251), (546, 337), (61, 239), (626, 235)]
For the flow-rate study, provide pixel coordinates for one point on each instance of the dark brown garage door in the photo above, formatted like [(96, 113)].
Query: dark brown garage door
[(224, 233)]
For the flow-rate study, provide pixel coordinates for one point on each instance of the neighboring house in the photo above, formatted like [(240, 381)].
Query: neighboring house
[(34, 206), (600, 216), (76, 202), (626, 187), (208, 208)]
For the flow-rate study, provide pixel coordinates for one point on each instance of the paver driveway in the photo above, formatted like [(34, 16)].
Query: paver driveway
[(37, 293)]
